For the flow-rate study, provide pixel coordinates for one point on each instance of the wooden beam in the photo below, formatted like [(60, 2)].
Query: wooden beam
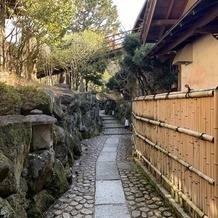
[(147, 19), (163, 22), (166, 17), (208, 29), (167, 44)]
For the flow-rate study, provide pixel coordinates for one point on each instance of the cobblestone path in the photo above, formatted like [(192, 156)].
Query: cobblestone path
[(141, 200)]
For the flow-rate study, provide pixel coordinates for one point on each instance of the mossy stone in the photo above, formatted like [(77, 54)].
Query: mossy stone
[(62, 177), (59, 181), (5, 166), (6, 210), (42, 200), (19, 204)]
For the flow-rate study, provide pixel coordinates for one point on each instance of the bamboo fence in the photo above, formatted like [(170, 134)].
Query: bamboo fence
[(176, 137)]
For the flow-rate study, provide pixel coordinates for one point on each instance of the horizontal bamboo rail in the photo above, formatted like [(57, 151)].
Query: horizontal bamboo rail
[(177, 133), (182, 195), (178, 95), (185, 164), (199, 135)]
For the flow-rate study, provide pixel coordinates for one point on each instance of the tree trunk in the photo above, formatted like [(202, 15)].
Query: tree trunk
[(61, 78), (81, 88), (86, 84), (68, 80), (73, 77), (141, 84), (2, 33)]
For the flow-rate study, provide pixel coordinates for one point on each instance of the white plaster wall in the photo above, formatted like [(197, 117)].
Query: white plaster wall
[(203, 72)]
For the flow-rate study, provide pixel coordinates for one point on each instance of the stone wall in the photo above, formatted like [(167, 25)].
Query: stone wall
[(37, 151)]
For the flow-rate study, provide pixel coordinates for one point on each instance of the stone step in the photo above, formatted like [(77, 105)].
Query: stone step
[(117, 133), (122, 132), (112, 127), (111, 120), (108, 118)]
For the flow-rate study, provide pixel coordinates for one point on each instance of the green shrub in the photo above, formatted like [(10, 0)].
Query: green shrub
[(32, 96), (10, 100), (13, 98)]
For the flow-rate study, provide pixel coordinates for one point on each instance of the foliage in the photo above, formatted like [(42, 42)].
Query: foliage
[(131, 43), (113, 66), (122, 82), (151, 75), (97, 15), (82, 55), (32, 23), (46, 20), (93, 69), (32, 96), (11, 98)]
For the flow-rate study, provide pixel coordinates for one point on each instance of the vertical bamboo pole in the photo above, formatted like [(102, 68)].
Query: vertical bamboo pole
[(182, 143), (204, 147), (213, 200), (199, 150), (207, 152), (196, 150), (194, 154), (185, 143), (209, 157), (216, 151), (201, 144), (178, 136), (176, 145), (163, 138), (140, 113), (143, 132)]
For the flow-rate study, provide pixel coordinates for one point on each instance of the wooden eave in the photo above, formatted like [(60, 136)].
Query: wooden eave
[(200, 19), (157, 17), (138, 23)]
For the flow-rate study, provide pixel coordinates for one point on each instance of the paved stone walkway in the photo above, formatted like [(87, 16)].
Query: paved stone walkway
[(107, 183)]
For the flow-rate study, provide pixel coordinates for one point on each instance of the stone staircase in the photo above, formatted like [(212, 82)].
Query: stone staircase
[(111, 126)]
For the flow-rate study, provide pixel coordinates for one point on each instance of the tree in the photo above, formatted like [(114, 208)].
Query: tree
[(123, 82), (132, 46), (4, 6), (93, 69), (151, 75), (33, 23), (82, 56), (96, 15)]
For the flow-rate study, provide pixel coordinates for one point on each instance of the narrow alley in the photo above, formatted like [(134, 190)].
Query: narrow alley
[(107, 183)]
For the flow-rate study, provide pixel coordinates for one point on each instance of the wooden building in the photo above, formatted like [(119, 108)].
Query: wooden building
[(185, 31), (176, 134)]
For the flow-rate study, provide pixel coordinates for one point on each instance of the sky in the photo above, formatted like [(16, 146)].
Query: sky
[(128, 11)]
